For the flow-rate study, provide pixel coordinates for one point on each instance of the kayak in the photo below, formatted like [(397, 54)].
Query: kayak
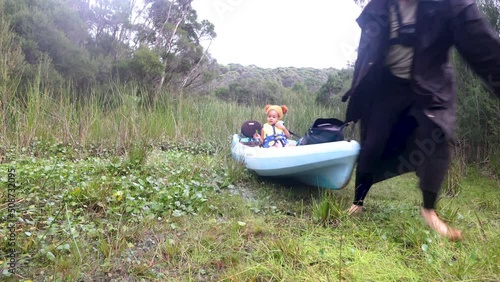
[(326, 165)]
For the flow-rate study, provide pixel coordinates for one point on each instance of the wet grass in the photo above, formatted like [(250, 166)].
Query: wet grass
[(184, 214)]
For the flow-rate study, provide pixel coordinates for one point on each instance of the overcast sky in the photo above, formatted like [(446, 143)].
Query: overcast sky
[(282, 33)]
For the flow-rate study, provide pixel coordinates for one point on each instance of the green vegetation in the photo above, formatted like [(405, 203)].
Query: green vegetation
[(188, 212), (130, 192), (119, 150)]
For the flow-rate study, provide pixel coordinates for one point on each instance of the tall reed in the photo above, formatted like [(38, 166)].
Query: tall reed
[(122, 118)]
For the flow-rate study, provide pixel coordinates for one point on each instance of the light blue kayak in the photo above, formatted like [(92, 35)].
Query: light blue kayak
[(326, 165)]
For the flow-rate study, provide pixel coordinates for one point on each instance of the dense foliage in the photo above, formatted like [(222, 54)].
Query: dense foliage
[(92, 42)]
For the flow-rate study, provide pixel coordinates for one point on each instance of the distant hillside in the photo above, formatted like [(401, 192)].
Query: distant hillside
[(246, 84), (286, 77)]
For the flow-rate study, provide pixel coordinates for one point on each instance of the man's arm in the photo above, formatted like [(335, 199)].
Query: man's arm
[(476, 41)]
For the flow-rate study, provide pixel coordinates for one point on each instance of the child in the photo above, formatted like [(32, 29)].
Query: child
[(274, 133)]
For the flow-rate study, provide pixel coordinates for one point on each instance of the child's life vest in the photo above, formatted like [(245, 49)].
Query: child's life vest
[(273, 135)]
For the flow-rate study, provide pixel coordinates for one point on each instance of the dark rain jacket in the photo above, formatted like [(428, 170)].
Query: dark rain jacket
[(440, 25)]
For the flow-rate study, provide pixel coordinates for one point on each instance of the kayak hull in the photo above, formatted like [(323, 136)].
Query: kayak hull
[(326, 165)]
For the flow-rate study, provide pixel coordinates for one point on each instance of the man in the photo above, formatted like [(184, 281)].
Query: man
[(403, 94)]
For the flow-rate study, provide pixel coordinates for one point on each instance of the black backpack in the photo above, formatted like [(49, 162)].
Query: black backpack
[(324, 130), (248, 129)]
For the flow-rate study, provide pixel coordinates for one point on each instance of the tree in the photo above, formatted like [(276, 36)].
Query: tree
[(110, 26), (171, 29), (88, 41), (144, 67), (51, 28), (491, 10), (336, 84)]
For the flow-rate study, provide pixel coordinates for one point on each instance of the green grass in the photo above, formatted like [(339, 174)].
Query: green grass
[(182, 215), (119, 191)]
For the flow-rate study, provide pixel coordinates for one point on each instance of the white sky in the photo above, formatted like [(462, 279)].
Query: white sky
[(282, 33)]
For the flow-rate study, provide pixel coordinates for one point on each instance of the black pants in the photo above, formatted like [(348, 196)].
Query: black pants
[(431, 158)]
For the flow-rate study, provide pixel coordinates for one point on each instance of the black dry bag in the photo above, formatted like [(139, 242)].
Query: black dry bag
[(324, 130)]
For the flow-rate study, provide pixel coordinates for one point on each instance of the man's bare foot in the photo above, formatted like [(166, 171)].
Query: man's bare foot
[(355, 209), (436, 224)]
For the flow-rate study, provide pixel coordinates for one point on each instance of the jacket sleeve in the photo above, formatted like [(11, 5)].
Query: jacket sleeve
[(357, 66), (476, 41)]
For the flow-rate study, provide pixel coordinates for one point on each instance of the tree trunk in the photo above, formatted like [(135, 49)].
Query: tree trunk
[(169, 48)]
